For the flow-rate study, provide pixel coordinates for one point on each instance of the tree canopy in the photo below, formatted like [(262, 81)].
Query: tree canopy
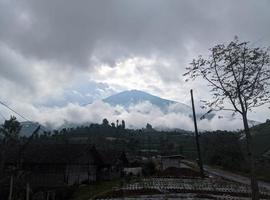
[(239, 77), (10, 129), (237, 73)]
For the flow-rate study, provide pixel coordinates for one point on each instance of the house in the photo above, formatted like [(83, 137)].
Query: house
[(134, 168), (171, 161), (118, 165), (57, 165), (115, 163)]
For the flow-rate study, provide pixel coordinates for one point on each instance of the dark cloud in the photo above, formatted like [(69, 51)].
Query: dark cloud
[(75, 31), (10, 70)]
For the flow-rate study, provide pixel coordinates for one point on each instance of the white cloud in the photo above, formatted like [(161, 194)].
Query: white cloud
[(136, 116)]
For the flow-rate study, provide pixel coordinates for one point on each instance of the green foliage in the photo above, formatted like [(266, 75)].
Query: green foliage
[(90, 191), (223, 148), (149, 127), (11, 129), (123, 124), (261, 138), (134, 142), (105, 122), (263, 170), (237, 73), (149, 168)]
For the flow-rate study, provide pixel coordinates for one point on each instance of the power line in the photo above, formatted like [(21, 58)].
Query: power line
[(2, 116), (5, 105), (14, 111)]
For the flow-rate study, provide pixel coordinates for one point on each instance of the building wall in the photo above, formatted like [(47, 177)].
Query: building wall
[(170, 162), (136, 171), (77, 174), (46, 175), (47, 179)]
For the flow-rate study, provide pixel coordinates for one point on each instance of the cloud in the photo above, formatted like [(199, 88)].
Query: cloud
[(136, 116), (28, 80), (50, 48), (76, 32), (81, 91)]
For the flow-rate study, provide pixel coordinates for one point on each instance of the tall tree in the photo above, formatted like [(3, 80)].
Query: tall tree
[(105, 122), (149, 126), (123, 124), (113, 124), (10, 134), (10, 129), (238, 77)]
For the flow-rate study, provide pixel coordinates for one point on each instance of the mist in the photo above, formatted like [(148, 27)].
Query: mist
[(135, 116)]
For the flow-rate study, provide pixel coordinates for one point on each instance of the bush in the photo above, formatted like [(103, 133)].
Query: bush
[(149, 168)]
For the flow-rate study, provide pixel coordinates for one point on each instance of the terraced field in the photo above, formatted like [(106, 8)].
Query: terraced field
[(179, 188)]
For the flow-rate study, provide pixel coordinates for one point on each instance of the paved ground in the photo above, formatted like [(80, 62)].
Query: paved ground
[(179, 196), (231, 176)]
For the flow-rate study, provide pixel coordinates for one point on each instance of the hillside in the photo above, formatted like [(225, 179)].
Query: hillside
[(261, 137)]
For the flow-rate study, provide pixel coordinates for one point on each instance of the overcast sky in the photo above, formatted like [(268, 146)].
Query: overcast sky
[(55, 52)]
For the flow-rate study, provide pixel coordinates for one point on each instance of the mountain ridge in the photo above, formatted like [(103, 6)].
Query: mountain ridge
[(132, 97)]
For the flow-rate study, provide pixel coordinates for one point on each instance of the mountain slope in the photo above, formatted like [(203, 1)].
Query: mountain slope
[(261, 137), (29, 127), (133, 97)]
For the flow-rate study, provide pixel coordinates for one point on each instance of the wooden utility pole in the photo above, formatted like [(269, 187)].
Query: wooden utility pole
[(27, 191), (48, 195), (10, 188), (200, 163)]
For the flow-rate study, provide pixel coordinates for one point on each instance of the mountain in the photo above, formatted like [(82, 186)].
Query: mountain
[(28, 127), (133, 97)]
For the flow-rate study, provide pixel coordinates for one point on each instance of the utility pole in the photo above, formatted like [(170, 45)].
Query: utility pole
[(10, 188), (27, 191), (200, 163), (48, 195)]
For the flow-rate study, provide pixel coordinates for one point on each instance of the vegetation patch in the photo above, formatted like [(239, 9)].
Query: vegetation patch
[(85, 192)]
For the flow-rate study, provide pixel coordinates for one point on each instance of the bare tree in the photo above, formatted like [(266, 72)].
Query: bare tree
[(239, 79)]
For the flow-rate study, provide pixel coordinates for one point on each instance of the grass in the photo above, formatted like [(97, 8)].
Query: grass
[(86, 192)]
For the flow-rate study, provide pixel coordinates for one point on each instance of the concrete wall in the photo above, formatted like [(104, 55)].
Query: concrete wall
[(170, 162), (136, 171)]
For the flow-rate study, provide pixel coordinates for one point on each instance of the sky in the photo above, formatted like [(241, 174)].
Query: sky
[(57, 55)]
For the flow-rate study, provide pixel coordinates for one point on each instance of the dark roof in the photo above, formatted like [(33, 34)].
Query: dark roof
[(55, 154), (114, 158)]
